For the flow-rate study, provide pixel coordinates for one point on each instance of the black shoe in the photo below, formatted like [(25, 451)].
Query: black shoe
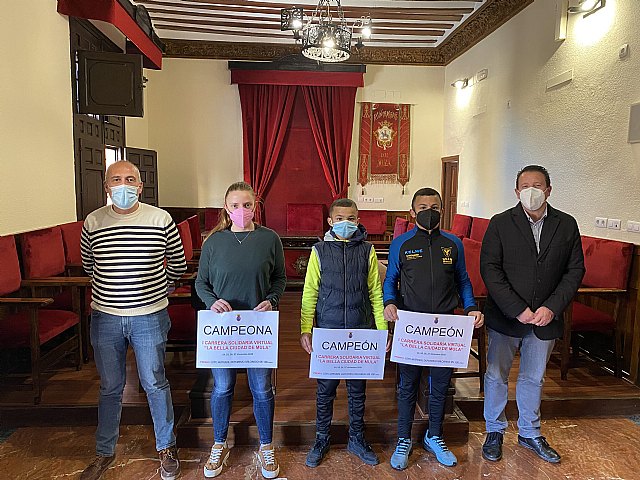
[(318, 451), (541, 447), (361, 449), (492, 448)]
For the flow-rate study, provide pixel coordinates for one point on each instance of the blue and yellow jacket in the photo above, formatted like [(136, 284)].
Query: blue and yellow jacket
[(430, 271)]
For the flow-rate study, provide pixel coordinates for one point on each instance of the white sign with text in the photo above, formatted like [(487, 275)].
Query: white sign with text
[(237, 339), (432, 340), (348, 354)]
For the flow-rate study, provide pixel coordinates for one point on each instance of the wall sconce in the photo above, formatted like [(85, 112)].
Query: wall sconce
[(460, 83), (587, 7)]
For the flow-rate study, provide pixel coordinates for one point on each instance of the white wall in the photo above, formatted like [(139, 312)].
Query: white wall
[(422, 87), (578, 131), (193, 120), (195, 125), (36, 163)]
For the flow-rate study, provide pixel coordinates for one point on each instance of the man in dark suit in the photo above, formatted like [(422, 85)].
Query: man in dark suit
[(532, 264)]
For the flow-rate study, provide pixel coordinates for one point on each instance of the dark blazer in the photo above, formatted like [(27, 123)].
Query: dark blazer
[(518, 277)]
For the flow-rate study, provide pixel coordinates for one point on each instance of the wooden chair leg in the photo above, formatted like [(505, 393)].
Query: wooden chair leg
[(618, 352), (35, 356), (566, 343)]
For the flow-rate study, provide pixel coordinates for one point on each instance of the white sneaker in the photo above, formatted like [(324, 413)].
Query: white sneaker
[(268, 462), (217, 459)]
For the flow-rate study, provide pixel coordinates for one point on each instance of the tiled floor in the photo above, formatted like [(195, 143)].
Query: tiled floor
[(591, 449)]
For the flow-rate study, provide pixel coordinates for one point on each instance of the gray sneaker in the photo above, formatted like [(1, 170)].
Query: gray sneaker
[(96, 469), (400, 457)]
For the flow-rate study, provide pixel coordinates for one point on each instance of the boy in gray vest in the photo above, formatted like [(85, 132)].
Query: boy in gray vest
[(342, 289)]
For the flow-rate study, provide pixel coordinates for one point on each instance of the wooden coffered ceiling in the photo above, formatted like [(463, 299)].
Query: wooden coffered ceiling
[(405, 32)]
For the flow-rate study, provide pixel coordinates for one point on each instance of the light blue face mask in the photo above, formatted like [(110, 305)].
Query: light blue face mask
[(345, 229), (124, 196)]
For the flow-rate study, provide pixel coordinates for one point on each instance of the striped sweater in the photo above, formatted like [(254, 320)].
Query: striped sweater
[(125, 255)]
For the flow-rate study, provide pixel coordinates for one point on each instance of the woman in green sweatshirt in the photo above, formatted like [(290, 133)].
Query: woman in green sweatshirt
[(241, 268)]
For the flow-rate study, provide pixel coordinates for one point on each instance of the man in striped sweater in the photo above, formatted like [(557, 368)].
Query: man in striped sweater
[(124, 247)]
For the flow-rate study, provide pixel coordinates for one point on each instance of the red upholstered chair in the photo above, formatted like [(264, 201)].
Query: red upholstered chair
[(183, 316), (44, 263), (478, 227), (375, 221), (26, 325), (401, 226), (185, 237), (461, 225), (211, 217), (196, 233), (607, 264), (472, 261), (305, 218), (71, 233)]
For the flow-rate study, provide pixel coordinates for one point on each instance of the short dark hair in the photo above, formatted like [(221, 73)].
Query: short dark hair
[(534, 168), (425, 192), (342, 202)]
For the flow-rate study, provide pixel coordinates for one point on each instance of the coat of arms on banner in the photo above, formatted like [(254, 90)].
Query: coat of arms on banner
[(384, 143)]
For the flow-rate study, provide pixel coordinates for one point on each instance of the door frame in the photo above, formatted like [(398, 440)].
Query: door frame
[(444, 190)]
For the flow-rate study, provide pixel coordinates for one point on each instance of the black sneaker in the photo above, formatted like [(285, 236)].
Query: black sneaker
[(492, 448), (318, 451), (361, 449), (541, 447)]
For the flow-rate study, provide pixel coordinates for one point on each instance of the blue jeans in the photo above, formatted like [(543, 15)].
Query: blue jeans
[(534, 355), (110, 338), (224, 381)]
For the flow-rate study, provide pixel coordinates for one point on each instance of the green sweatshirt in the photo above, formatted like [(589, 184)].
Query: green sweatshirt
[(244, 274)]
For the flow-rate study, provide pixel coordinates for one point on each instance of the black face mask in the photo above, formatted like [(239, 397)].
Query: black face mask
[(428, 219)]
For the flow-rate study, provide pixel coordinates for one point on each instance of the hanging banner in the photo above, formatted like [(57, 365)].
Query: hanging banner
[(237, 339), (349, 354), (432, 340), (384, 143)]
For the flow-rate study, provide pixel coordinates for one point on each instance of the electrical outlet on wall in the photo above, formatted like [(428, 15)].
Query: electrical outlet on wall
[(601, 222), (614, 223)]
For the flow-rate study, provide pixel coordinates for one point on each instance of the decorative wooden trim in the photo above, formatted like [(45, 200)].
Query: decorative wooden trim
[(481, 24), (486, 20)]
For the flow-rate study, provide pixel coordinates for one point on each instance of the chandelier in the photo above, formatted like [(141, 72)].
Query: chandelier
[(325, 37)]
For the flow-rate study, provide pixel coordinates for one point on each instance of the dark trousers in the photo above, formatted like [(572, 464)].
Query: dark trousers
[(325, 396), (439, 378)]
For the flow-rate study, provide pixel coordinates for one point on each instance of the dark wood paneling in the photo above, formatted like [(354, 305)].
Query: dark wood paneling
[(147, 163)]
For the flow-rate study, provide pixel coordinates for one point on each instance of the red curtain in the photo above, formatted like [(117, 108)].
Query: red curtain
[(266, 110), (330, 112)]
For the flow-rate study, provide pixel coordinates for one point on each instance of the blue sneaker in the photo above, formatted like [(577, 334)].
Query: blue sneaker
[(437, 446), (400, 457)]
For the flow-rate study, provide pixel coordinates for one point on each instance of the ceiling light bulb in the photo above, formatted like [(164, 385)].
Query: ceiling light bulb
[(588, 5), (328, 42), (296, 24), (459, 84), (366, 32)]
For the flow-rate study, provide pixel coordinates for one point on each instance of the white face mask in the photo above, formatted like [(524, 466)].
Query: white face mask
[(532, 198)]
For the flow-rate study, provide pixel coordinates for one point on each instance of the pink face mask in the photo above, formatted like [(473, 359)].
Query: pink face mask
[(241, 217)]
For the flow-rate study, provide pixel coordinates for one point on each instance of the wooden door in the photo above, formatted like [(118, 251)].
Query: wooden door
[(90, 165), (147, 163), (89, 132), (449, 190)]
